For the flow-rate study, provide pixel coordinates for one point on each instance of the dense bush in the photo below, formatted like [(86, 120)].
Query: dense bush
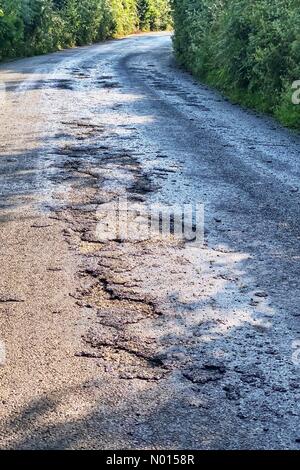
[(154, 14), (38, 26), (248, 49)]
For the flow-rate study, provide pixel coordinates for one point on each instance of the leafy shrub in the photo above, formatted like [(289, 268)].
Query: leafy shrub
[(154, 15), (250, 50), (37, 26)]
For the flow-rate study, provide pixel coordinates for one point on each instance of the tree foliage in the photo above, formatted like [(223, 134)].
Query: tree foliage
[(248, 49), (30, 27)]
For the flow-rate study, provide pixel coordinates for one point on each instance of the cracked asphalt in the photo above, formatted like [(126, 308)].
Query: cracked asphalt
[(155, 343)]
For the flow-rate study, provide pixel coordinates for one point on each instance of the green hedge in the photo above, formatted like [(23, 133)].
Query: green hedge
[(250, 50), (29, 27)]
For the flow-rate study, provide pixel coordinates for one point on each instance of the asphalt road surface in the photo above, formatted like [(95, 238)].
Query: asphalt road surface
[(144, 343)]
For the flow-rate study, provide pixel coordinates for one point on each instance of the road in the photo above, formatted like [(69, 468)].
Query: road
[(157, 343)]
